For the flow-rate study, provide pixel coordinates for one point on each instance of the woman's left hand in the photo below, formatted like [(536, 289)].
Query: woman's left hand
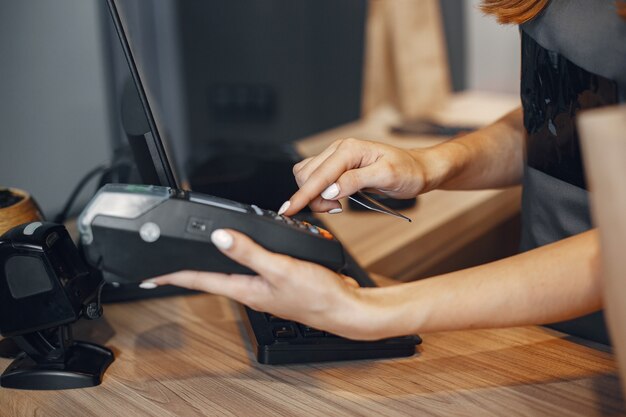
[(285, 287)]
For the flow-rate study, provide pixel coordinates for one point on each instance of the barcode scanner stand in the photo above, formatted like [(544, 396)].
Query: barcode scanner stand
[(44, 288)]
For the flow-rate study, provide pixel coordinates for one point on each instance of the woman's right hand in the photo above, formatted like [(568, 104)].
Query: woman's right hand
[(350, 165)]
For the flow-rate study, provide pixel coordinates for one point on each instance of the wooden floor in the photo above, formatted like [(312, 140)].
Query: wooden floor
[(186, 356)]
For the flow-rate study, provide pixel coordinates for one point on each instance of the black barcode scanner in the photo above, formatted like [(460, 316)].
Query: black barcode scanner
[(44, 288)]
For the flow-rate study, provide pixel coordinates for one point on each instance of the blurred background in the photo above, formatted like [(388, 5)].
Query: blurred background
[(252, 74)]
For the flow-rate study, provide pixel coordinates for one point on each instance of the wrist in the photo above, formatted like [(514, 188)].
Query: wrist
[(441, 163), (379, 313)]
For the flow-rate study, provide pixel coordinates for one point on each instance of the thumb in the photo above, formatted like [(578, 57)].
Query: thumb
[(246, 252)]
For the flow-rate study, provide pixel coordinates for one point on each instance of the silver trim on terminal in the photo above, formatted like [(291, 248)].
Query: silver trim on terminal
[(122, 201), (216, 204)]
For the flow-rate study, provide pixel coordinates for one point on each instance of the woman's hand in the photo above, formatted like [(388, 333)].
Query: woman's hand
[(285, 287), (350, 165), (490, 157)]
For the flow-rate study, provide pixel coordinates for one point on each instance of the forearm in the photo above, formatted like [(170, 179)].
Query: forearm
[(491, 157), (549, 284)]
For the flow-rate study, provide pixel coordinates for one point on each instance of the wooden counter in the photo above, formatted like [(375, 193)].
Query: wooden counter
[(186, 356)]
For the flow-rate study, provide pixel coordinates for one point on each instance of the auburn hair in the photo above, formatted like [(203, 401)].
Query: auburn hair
[(521, 11), (621, 9)]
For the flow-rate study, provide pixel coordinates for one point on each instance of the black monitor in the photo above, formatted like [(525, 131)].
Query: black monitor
[(248, 78), (138, 118), (269, 71), (231, 85)]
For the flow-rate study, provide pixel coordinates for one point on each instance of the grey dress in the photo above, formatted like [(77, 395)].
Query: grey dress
[(573, 58)]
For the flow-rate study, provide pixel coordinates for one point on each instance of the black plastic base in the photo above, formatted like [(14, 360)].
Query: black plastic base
[(9, 349), (84, 366)]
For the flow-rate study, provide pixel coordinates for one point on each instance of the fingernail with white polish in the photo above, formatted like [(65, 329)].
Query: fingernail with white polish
[(148, 285), (335, 211), (331, 192), (284, 207), (222, 239)]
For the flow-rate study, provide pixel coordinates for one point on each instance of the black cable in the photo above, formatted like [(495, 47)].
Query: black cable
[(109, 173), (62, 216)]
